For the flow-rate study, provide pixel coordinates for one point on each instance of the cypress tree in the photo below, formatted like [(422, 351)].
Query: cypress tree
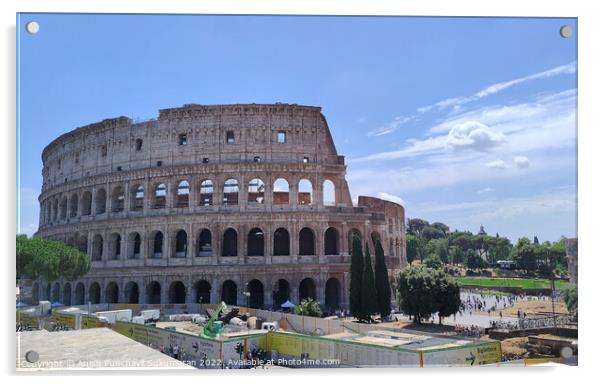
[(369, 304), (355, 283), (381, 281)]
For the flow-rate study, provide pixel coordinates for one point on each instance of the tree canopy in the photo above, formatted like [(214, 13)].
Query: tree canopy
[(49, 259)]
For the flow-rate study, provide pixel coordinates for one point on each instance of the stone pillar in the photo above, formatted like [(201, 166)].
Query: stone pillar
[(215, 290), (293, 195), (216, 243), (164, 289), (243, 231), (191, 246)]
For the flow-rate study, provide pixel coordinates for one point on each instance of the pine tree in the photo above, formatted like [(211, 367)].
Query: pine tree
[(381, 281), (369, 304), (355, 284)]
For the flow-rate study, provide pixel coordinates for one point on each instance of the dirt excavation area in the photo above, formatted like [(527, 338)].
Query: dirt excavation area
[(535, 306)]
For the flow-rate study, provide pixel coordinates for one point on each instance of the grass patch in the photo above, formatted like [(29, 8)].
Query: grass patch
[(509, 282)]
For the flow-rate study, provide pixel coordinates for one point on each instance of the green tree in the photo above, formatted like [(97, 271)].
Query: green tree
[(430, 233), (308, 307), (526, 257), (442, 227), (414, 248), (369, 298), (433, 261), (448, 295), (49, 259), (473, 260), (415, 226), (356, 278), (416, 292), (570, 296), (381, 282), (457, 255)]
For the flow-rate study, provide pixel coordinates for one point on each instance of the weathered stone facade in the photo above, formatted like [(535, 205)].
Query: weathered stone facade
[(192, 206)]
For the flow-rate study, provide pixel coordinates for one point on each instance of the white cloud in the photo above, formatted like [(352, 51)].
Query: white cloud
[(473, 135), (567, 69), (389, 197), (485, 190), (522, 161), (361, 120), (391, 126), (497, 164)]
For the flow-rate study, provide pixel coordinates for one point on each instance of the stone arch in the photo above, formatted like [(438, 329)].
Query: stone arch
[(80, 294), (100, 200), (181, 244), (354, 232), (307, 242), (137, 198), (63, 207), (156, 244), (305, 194), (177, 292), (55, 210), (112, 293), (281, 292), (153, 292), (97, 247), (256, 191), (331, 241), (329, 193), (94, 293), (282, 242), (204, 244), (255, 243), (307, 289), (206, 193), (67, 294), (229, 292), (332, 293), (82, 243), (281, 192), (374, 236), (56, 292), (230, 243), (231, 192), (134, 245), (255, 289), (202, 292), (183, 194), (115, 246), (73, 205), (132, 293), (160, 196), (117, 199)]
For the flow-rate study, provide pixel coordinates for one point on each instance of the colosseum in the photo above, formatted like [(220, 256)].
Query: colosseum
[(245, 203)]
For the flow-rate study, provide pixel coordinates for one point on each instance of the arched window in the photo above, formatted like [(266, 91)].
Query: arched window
[(282, 242), (158, 245), (354, 232), (134, 243), (115, 246), (280, 192), (256, 191), (183, 194), (86, 203), (206, 197), (153, 292), (255, 289), (132, 293), (255, 242), (181, 243), (74, 204), (55, 211), (332, 293), (231, 192), (328, 193), (204, 244), (64, 207), (281, 292), (202, 292), (230, 243), (177, 293), (229, 291), (112, 293), (331, 241), (307, 289), (117, 199), (306, 242), (305, 192), (101, 201), (160, 196), (94, 293), (97, 247), (80, 294), (137, 199)]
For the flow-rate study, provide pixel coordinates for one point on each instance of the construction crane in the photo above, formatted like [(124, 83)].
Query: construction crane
[(214, 327)]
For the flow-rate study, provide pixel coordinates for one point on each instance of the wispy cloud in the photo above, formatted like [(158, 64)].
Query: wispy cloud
[(391, 126), (522, 161), (485, 190), (390, 197), (567, 69), (497, 164)]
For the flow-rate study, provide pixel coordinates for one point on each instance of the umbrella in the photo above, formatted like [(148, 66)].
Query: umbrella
[(287, 304), (21, 305), (56, 304)]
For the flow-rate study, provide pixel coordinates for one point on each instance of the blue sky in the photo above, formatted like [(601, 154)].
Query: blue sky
[(467, 121)]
